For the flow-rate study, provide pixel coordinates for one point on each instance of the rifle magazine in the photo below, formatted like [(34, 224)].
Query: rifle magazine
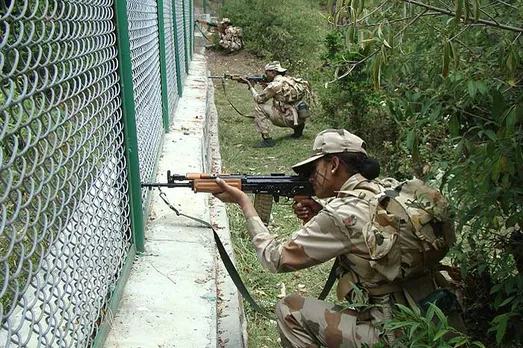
[(263, 206)]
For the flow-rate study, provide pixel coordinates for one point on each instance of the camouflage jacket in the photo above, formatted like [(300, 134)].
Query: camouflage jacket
[(283, 91), (233, 36), (335, 231)]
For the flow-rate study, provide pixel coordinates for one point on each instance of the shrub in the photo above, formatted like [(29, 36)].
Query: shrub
[(290, 31)]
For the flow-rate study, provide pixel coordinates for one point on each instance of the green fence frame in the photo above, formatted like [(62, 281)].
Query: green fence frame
[(163, 66), (177, 53)]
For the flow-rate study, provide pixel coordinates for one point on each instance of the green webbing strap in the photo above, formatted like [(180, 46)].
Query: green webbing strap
[(230, 103), (200, 29), (330, 281), (233, 273)]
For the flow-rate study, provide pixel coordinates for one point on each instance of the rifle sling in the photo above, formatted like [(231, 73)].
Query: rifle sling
[(200, 29), (233, 272), (227, 262), (230, 103), (330, 281)]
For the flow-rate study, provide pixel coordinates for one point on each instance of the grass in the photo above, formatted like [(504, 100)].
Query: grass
[(237, 136)]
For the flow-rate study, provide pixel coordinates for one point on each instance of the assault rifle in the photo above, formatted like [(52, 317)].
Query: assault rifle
[(265, 187), (208, 24), (237, 77)]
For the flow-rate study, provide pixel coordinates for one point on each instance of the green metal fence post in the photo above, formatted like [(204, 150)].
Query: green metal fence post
[(163, 65), (185, 36), (129, 119), (191, 15), (177, 53), (204, 6)]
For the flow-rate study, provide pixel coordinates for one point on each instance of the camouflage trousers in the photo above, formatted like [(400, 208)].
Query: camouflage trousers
[(267, 114), (231, 45), (311, 323)]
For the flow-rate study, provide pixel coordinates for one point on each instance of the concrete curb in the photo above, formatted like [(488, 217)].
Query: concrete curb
[(232, 328)]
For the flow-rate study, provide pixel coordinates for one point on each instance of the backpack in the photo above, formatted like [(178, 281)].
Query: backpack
[(409, 230), (294, 89)]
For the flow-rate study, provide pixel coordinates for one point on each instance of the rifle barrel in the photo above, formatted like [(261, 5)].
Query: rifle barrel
[(167, 184)]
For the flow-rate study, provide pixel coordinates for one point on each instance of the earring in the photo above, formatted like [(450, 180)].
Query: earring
[(332, 171)]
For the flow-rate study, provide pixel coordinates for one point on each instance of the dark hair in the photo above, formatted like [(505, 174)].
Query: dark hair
[(357, 162)]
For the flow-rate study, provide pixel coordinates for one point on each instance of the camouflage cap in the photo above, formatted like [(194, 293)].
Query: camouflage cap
[(225, 20), (275, 66), (332, 141)]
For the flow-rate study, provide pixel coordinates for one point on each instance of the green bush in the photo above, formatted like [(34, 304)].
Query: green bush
[(290, 31)]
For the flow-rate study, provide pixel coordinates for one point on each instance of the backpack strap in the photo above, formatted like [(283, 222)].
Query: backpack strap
[(366, 192)]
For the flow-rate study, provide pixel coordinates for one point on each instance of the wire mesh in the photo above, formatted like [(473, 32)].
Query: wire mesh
[(64, 208), (143, 39), (170, 56), (181, 36)]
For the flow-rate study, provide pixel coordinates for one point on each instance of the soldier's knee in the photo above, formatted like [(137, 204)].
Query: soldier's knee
[(288, 304), (293, 302)]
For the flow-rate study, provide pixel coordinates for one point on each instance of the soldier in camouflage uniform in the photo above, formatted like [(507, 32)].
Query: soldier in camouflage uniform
[(335, 229), (231, 37), (289, 107)]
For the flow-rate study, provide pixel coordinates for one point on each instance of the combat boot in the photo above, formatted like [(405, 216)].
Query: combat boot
[(298, 131), (266, 142)]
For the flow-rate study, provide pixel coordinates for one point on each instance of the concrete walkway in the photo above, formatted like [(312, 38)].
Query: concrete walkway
[(178, 294)]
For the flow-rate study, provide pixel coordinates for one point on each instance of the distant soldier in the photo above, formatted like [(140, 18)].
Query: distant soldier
[(231, 37), (290, 103)]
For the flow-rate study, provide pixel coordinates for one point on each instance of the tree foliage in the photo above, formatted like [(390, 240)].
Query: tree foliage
[(448, 81)]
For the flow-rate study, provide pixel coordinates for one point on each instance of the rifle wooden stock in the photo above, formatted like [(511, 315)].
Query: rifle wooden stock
[(210, 185)]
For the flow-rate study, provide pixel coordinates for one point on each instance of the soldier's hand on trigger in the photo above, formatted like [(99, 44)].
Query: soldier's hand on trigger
[(306, 209)]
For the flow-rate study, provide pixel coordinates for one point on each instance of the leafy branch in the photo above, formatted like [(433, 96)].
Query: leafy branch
[(464, 18)]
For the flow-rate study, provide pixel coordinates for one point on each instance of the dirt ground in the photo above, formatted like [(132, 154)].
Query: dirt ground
[(242, 63)]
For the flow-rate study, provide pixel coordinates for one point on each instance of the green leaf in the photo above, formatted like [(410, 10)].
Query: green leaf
[(498, 104), (507, 301), (510, 61), (491, 135), (412, 143), (430, 312), (481, 87), (496, 288), (454, 125), (455, 53), (461, 343), (467, 11), (471, 88), (440, 334), (511, 222), (475, 9), (446, 59), (459, 11), (376, 72), (511, 119), (413, 329), (441, 316), (501, 326)]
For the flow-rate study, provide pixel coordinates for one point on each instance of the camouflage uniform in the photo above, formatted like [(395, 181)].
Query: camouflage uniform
[(335, 231), (279, 113), (339, 231), (231, 39)]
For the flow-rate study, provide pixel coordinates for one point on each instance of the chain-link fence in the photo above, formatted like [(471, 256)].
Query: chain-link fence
[(67, 230)]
